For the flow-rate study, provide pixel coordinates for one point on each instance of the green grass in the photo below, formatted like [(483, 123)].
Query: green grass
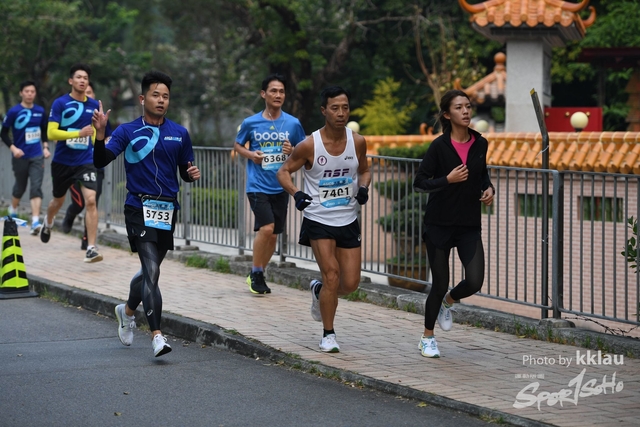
[(410, 307), (357, 295), (222, 266), (197, 261), (493, 420)]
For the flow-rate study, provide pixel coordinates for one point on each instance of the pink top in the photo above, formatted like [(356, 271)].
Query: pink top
[(463, 148)]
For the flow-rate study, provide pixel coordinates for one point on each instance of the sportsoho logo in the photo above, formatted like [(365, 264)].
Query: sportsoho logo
[(576, 387)]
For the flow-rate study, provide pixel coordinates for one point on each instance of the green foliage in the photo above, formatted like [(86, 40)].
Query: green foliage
[(631, 250), (498, 114), (618, 26), (222, 265), (41, 39), (197, 261), (394, 189), (382, 114), (413, 152), (215, 207), (407, 216), (357, 295)]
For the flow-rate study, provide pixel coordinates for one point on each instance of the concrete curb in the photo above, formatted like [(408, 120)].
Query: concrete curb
[(287, 274), (212, 335)]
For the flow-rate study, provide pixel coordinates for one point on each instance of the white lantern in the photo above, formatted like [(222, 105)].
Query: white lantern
[(354, 126), (579, 121)]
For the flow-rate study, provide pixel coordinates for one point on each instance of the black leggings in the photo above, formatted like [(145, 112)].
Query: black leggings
[(471, 253), (144, 284)]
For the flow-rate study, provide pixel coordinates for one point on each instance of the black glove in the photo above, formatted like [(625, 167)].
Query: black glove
[(363, 195), (302, 200)]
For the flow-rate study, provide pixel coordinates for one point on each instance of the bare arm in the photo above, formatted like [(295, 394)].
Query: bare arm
[(364, 174)]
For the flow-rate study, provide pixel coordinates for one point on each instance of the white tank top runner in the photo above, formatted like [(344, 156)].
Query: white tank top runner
[(332, 181)]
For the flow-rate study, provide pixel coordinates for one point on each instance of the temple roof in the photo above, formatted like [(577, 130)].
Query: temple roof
[(556, 21), (614, 152), (490, 87)]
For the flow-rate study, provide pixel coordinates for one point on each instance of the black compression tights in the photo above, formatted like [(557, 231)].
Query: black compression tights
[(144, 284), (472, 256)]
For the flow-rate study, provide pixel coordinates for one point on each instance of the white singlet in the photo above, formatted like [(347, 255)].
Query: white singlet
[(332, 181)]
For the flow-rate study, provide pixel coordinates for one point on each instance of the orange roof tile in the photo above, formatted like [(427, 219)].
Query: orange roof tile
[(530, 14), (491, 86), (613, 152)]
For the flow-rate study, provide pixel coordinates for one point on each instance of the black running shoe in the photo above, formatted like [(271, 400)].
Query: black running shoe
[(45, 232), (256, 283), (92, 255)]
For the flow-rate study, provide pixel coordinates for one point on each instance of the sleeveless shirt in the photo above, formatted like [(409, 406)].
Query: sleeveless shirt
[(332, 181)]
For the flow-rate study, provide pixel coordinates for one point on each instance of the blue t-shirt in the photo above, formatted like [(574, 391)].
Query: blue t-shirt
[(26, 126), (152, 155), (268, 136), (73, 115)]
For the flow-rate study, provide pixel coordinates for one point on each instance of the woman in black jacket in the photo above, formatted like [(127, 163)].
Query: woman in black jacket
[(454, 172)]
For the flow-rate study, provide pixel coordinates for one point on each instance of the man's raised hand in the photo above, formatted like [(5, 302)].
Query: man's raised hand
[(99, 120)]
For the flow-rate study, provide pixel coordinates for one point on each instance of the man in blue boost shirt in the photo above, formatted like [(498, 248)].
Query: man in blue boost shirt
[(28, 124), (70, 125), (271, 135), (154, 148)]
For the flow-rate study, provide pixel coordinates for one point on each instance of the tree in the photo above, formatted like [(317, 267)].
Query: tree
[(450, 57), (383, 115), (41, 39)]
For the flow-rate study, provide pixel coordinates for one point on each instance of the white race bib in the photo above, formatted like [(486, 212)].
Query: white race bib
[(336, 191), (157, 214), (79, 143), (273, 158), (32, 135)]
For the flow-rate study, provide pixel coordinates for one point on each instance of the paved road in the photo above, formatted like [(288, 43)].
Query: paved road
[(63, 366)]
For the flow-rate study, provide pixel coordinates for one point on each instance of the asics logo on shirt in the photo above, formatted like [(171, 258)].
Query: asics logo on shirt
[(139, 147), (22, 119), (72, 113)]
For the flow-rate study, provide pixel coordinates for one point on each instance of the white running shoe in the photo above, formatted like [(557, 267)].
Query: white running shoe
[(35, 228), (315, 304), (429, 347), (160, 345), (445, 318), (126, 324), (329, 344)]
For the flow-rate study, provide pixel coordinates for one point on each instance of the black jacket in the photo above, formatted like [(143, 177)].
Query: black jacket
[(459, 203)]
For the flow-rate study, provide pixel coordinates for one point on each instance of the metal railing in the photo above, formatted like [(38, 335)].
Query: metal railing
[(584, 273)]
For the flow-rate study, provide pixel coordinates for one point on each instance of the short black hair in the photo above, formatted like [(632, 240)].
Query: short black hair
[(79, 67), (332, 92), (155, 77), (27, 83), (272, 77)]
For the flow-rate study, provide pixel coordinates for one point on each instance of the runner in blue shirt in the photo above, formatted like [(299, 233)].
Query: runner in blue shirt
[(28, 124), (70, 125), (77, 201), (154, 148), (271, 135)]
